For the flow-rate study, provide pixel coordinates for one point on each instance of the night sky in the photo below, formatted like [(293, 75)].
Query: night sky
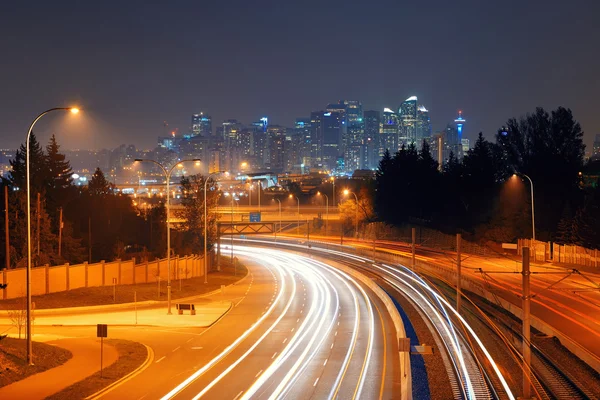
[(132, 65)]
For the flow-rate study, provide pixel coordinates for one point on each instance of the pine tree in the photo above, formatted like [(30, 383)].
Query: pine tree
[(37, 172), (59, 188), (98, 185)]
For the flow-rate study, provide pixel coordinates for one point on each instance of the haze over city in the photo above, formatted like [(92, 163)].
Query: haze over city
[(299, 199), (133, 65)]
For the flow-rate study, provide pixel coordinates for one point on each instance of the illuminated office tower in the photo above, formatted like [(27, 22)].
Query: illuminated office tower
[(388, 132), (460, 122), (407, 112), (371, 138), (201, 125), (423, 125)]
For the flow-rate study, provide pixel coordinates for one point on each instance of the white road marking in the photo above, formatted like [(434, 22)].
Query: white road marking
[(315, 384), (274, 354), (160, 359), (197, 348), (325, 363), (238, 396), (256, 376), (284, 340), (175, 349)]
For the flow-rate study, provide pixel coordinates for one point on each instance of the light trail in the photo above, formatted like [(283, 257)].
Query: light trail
[(229, 348), (451, 338), (307, 340)]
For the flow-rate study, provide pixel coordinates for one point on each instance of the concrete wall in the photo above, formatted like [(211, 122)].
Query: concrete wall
[(94, 275), (57, 276), (77, 276), (38, 281), (55, 279)]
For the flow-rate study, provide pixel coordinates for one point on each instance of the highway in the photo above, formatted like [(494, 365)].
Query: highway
[(465, 354), (299, 328), (322, 336)]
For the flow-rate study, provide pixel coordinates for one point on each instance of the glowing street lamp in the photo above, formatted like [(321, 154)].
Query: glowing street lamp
[(346, 193), (292, 196), (326, 209), (168, 177), (532, 207), (206, 224), (73, 110), (279, 201)]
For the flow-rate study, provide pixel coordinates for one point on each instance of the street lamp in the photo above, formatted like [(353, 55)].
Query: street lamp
[(279, 201), (292, 196), (206, 224), (532, 207), (326, 209), (73, 110), (333, 190), (346, 193), (168, 177)]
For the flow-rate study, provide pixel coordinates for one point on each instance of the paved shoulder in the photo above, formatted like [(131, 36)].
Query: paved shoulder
[(79, 367)]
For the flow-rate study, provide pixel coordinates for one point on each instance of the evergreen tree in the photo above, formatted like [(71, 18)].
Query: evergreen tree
[(37, 167), (98, 185), (549, 149), (59, 188)]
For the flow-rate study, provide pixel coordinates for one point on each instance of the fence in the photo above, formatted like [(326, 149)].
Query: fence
[(46, 279), (562, 253)]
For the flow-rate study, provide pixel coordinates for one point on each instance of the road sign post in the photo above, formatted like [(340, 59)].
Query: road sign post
[(101, 332)]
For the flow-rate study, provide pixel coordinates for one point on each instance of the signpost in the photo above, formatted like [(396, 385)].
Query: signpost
[(254, 217), (101, 332)]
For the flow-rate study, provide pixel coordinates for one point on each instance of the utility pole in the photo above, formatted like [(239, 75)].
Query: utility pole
[(38, 225), (90, 239), (60, 228), (414, 234), (458, 272), (526, 326), (6, 232)]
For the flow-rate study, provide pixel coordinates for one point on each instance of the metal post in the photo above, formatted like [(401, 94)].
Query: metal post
[(28, 275), (39, 204), (259, 188), (89, 239), (168, 176), (6, 227), (526, 326), (60, 228), (231, 227), (101, 354), (414, 234), (458, 272)]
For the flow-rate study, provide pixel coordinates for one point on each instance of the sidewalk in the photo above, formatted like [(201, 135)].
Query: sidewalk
[(80, 366), (207, 313)]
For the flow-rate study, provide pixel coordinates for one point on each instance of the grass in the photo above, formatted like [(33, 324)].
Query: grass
[(125, 293), (13, 359), (131, 356)]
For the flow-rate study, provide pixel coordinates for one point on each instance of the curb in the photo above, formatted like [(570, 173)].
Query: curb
[(131, 375)]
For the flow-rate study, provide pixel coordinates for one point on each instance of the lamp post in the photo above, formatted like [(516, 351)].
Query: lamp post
[(292, 196), (532, 208), (168, 177), (326, 209), (333, 190), (206, 224), (347, 192), (279, 201), (28, 338)]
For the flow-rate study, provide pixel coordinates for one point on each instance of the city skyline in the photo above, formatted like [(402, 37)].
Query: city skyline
[(135, 69)]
